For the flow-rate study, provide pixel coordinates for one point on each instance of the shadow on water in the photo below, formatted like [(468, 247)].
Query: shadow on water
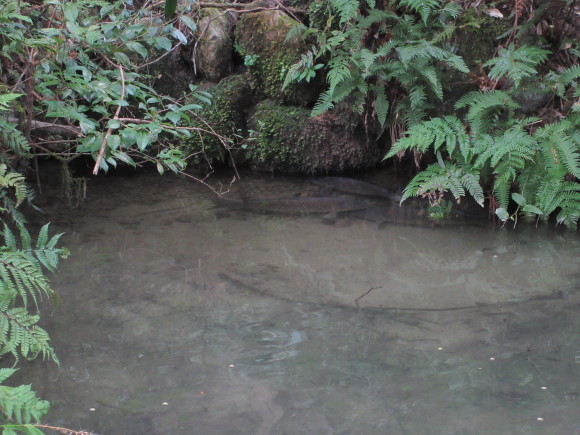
[(178, 317)]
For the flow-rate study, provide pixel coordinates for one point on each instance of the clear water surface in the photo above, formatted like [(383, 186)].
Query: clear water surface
[(179, 317)]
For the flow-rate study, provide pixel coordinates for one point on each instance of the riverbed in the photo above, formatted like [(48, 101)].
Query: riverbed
[(178, 316)]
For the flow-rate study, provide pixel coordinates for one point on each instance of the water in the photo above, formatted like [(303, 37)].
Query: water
[(181, 318)]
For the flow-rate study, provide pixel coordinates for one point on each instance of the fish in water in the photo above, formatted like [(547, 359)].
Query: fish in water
[(395, 215), (355, 187), (297, 205)]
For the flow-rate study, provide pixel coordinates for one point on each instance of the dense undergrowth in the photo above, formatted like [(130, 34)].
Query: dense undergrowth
[(472, 128)]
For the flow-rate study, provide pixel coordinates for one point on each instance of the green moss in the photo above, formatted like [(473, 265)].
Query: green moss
[(478, 38), (277, 138), (286, 139), (227, 117), (262, 38)]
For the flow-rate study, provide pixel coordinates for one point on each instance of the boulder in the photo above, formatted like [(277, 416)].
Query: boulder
[(287, 139), (213, 52), (261, 39)]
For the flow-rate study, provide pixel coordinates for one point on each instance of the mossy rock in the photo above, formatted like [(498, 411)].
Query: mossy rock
[(215, 44), (172, 75), (261, 38), (231, 99), (287, 139), (477, 36)]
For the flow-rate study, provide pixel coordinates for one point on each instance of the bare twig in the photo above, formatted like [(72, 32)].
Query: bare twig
[(63, 430)]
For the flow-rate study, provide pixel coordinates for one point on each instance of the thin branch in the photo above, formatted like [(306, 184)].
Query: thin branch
[(159, 58), (50, 127), (63, 430), (110, 129)]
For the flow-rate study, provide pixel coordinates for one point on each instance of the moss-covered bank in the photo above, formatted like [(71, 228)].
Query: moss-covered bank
[(287, 139)]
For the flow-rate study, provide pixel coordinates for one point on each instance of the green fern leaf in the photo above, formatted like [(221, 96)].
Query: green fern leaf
[(423, 7), (346, 9), (560, 146), (484, 107), (381, 105), (517, 64)]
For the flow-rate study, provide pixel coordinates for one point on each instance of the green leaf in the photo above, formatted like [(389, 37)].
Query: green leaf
[(113, 123), (170, 6), (502, 214), (94, 36), (124, 157), (179, 36), (138, 48), (174, 117), (528, 208), (113, 141), (162, 42), (519, 199), (142, 139), (122, 58), (71, 11), (188, 22)]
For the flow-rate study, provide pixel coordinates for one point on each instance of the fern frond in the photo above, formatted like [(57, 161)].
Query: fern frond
[(417, 97), (295, 31), (448, 178), (517, 64), (560, 146), (339, 71), (426, 50), (432, 78), (448, 131), (13, 180), (450, 10), (5, 100), (347, 9), (21, 336), (564, 195), (422, 7), (483, 108), (20, 404), (324, 103), (381, 105)]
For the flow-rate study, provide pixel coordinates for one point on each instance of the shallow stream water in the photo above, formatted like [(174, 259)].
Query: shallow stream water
[(179, 317)]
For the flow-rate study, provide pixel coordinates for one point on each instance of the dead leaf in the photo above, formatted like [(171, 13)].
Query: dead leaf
[(493, 12)]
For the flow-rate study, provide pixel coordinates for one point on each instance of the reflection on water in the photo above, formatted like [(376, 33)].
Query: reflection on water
[(181, 318)]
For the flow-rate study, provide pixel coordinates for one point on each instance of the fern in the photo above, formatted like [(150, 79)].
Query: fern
[(5, 100), (20, 406), (381, 105), (568, 77), (13, 140), (438, 178), (563, 195), (21, 279), (561, 148), (13, 180), (423, 7), (517, 64), (409, 55), (347, 9), (485, 108), (448, 131)]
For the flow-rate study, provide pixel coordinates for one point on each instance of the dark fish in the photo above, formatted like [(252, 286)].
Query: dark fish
[(356, 187), (310, 204), (395, 215)]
